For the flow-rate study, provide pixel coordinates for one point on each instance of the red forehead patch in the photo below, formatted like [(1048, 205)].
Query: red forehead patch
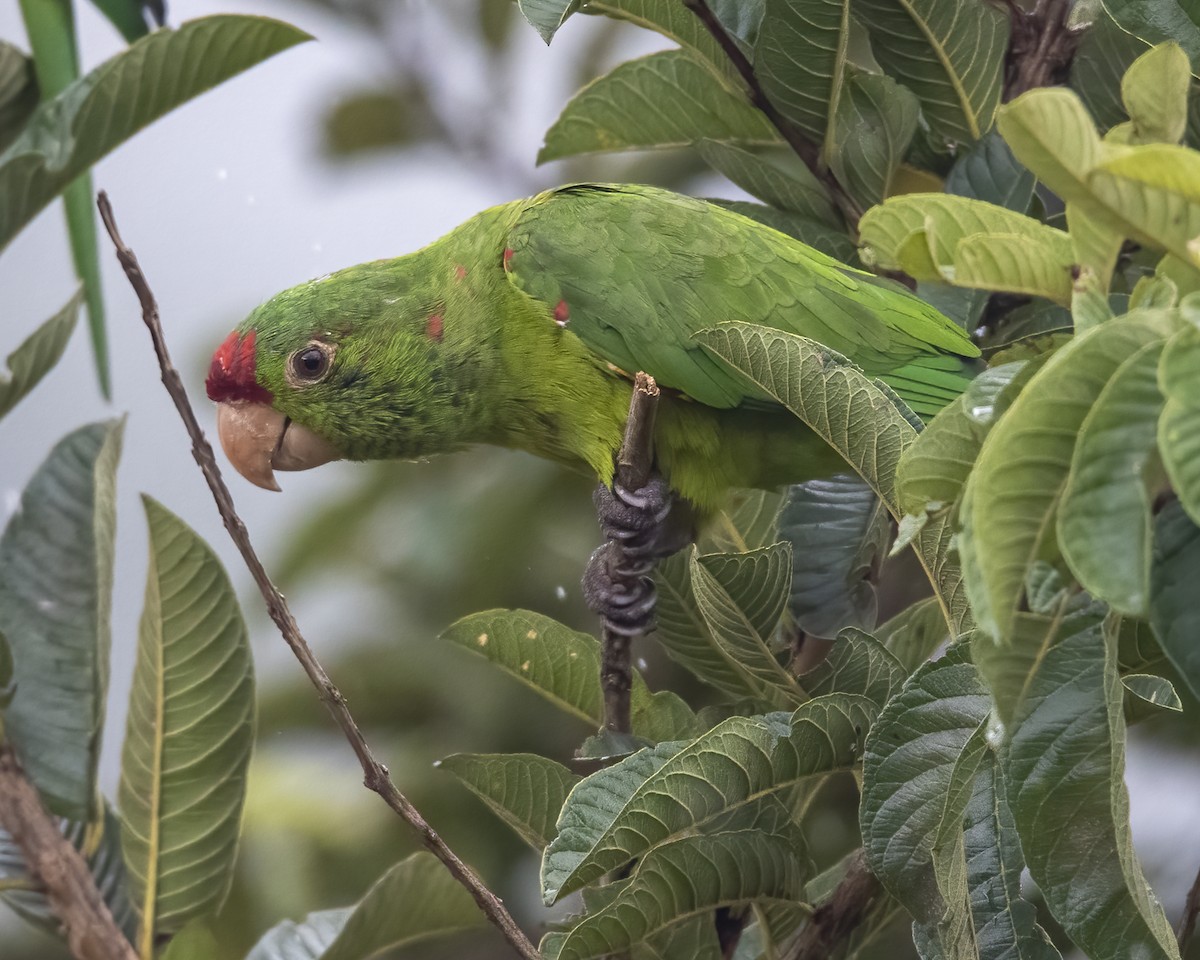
[(231, 374)]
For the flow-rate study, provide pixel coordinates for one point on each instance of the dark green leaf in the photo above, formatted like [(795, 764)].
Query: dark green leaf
[(1157, 692), (1159, 21), (839, 533), (55, 597), (415, 900), (1064, 770), (127, 15), (950, 53), (18, 92), (188, 734), (989, 171), (526, 791), (685, 877), (68, 134), (800, 59), (667, 99), (793, 189), (674, 21), (833, 243), (1104, 55), (1174, 613), (37, 355), (912, 635), (1178, 428), (873, 127), (859, 664)]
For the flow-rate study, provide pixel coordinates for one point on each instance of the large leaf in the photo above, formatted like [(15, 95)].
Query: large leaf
[(618, 814), (670, 18), (188, 735), (1013, 493), (1155, 92), (667, 99), (741, 597), (37, 355), (102, 854), (415, 900), (990, 172), (873, 127), (839, 533), (1104, 520), (68, 134), (800, 60), (858, 664), (794, 189), (950, 53), (564, 667), (1174, 612), (56, 570), (1064, 770), (1098, 66), (912, 635), (859, 417), (1156, 22), (526, 791), (1178, 429), (830, 241), (678, 880)]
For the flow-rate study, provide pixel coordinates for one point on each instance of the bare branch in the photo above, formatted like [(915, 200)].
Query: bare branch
[(1041, 47), (804, 148), (375, 774), (59, 869), (836, 918)]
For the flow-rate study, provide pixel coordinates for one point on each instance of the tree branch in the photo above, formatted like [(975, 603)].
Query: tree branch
[(837, 917), (375, 774), (804, 148), (1191, 910), (91, 931), (1041, 46)]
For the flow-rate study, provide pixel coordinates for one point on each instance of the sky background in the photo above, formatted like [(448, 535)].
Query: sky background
[(228, 200)]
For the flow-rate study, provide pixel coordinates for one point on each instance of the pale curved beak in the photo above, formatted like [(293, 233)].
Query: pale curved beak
[(258, 440)]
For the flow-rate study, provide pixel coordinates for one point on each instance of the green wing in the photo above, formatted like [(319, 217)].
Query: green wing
[(637, 271)]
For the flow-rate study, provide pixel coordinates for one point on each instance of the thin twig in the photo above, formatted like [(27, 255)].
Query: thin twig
[(804, 148), (59, 869), (635, 460), (836, 918), (1191, 911), (375, 774)]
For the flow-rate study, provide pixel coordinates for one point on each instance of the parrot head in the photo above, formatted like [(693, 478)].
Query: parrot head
[(344, 367)]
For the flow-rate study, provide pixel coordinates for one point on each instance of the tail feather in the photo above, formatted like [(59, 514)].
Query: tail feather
[(931, 382)]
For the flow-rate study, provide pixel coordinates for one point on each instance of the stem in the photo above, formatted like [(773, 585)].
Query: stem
[(837, 917), (1191, 910), (375, 774), (58, 868), (804, 148)]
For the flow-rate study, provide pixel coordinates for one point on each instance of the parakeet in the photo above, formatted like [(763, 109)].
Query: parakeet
[(523, 327)]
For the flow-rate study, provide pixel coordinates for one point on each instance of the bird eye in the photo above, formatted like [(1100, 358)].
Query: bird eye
[(312, 363)]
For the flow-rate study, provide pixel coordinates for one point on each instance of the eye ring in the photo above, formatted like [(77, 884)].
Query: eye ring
[(310, 364)]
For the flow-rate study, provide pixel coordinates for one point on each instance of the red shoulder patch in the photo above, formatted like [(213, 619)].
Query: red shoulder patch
[(231, 375), (562, 313), (433, 327), (508, 255)]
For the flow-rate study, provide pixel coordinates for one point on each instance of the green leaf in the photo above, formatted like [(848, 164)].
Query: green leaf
[(1156, 22), (546, 16), (18, 92), (839, 533), (990, 172), (1104, 520), (1156, 691), (101, 850), (858, 664), (912, 635), (873, 126), (1050, 131), (68, 134), (126, 15), (37, 355), (671, 19), (1178, 428), (833, 243), (564, 667), (1099, 65), (948, 52), (1012, 495), (188, 734), (56, 571), (968, 243), (194, 942), (667, 99), (681, 789), (526, 791), (918, 766), (1155, 92), (1174, 613), (934, 469), (1064, 769), (689, 876), (860, 418), (741, 597), (794, 189), (800, 60), (415, 900)]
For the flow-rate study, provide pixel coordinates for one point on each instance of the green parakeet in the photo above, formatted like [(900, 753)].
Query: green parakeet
[(524, 326)]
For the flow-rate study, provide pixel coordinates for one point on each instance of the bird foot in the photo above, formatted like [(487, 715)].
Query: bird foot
[(638, 519), (617, 587)]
